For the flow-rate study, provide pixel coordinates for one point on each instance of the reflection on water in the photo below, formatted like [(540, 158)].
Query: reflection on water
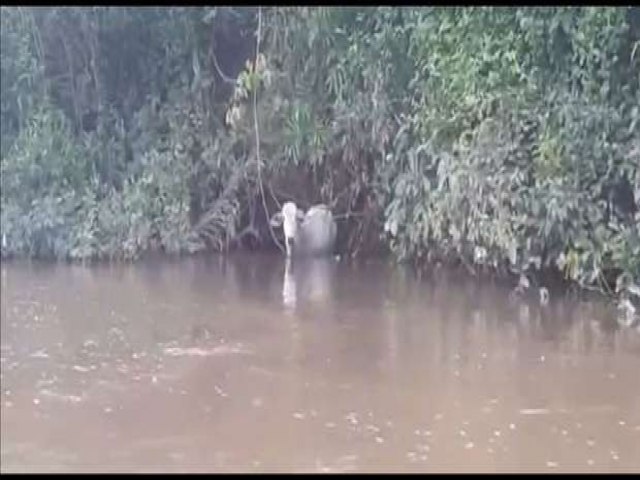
[(311, 279), (256, 364)]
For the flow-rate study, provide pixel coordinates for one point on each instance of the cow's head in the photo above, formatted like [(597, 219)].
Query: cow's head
[(288, 217)]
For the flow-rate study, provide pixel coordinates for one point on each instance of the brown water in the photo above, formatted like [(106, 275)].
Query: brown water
[(238, 365)]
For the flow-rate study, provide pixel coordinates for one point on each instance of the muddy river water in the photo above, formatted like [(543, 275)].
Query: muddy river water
[(245, 365)]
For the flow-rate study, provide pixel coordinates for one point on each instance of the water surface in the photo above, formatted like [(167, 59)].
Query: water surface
[(212, 365)]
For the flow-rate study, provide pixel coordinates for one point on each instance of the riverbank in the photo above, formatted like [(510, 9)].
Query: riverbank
[(133, 130)]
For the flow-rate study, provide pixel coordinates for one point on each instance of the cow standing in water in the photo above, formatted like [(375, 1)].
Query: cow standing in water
[(307, 234)]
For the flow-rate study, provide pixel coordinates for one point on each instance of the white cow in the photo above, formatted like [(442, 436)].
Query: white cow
[(310, 234)]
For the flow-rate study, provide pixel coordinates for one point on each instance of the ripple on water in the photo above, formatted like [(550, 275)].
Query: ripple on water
[(482, 415)]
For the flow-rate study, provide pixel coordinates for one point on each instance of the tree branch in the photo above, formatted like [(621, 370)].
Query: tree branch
[(255, 123)]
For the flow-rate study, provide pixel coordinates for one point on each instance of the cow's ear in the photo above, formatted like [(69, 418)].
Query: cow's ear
[(276, 220)]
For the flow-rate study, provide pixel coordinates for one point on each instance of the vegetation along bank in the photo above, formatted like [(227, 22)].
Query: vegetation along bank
[(501, 138)]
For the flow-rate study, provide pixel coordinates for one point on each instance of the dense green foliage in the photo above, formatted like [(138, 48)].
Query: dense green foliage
[(505, 137)]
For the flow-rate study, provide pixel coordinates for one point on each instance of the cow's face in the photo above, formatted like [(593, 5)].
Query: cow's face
[(288, 217)]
